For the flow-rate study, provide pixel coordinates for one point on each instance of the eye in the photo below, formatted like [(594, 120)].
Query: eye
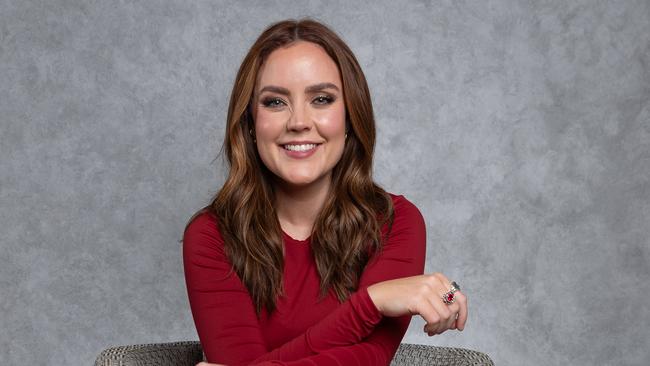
[(272, 102), (323, 100)]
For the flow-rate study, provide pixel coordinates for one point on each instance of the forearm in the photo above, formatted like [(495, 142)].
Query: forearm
[(377, 349)]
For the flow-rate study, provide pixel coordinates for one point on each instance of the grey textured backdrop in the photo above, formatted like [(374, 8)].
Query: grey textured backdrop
[(521, 129)]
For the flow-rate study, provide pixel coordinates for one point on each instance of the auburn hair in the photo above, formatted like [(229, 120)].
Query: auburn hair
[(348, 230)]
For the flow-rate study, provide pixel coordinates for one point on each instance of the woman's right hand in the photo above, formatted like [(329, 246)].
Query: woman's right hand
[(421, 295)]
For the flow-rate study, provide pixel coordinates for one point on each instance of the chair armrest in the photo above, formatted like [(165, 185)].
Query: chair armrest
[(420, 354), (159, 354)]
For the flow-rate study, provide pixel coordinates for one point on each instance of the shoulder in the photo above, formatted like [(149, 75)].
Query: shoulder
[(405, 246), (202, 232), (408, 222), (404, 210)]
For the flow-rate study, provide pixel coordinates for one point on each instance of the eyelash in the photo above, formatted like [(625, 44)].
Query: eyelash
[(267, 101)]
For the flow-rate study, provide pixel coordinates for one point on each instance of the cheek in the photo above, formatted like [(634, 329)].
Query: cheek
[(331, 123), (266, 133), (267, 125)]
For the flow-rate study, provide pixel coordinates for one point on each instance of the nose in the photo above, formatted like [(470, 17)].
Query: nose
[(300, 119)]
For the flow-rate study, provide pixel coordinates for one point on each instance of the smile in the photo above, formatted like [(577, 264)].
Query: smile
[(304, 147), (300, 151)]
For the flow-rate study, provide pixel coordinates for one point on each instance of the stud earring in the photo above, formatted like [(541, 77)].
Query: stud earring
[(250, 132)]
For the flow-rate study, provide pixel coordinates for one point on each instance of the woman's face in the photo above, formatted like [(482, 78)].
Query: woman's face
[(299, 114)]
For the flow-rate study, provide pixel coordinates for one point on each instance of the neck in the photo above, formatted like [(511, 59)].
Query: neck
[(298, 206)]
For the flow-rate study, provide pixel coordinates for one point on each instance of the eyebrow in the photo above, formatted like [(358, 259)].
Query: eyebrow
[(309, 89)]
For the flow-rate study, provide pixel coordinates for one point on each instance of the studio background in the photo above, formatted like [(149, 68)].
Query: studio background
[(521, 129)]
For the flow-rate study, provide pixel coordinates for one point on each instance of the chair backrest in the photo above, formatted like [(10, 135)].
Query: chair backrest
[(421, 354), (190, 353)]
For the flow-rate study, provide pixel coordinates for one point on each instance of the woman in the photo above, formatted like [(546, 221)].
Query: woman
[(301, 258)]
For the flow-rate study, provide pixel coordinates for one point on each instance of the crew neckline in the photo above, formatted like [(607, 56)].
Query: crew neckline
[(289, 238)]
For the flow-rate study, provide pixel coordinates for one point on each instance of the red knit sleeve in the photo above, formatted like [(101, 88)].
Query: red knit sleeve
[(221, 306), (354, 334), (376, 349)]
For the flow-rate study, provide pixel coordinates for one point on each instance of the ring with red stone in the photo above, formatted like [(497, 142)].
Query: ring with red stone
[(448, 297)]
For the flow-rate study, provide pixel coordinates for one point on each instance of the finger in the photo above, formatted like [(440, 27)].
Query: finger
[(454, 308), (454, 320), (463, 303), (432, 320), (429, 314), (462, 313), (453, 314), (448, 312), (443, 312)]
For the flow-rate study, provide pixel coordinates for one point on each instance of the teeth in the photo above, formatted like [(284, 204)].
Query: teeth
[(304, 147)]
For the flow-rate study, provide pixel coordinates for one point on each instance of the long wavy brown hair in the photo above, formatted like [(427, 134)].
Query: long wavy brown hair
[(347, 232)]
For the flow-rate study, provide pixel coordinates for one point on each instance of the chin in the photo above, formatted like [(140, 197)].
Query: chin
[(301, 176), (299, 181)]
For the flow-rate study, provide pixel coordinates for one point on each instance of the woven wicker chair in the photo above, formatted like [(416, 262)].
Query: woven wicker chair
[(190, 353)]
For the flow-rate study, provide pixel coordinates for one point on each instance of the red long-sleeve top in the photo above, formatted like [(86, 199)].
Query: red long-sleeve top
[(301, 331)]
